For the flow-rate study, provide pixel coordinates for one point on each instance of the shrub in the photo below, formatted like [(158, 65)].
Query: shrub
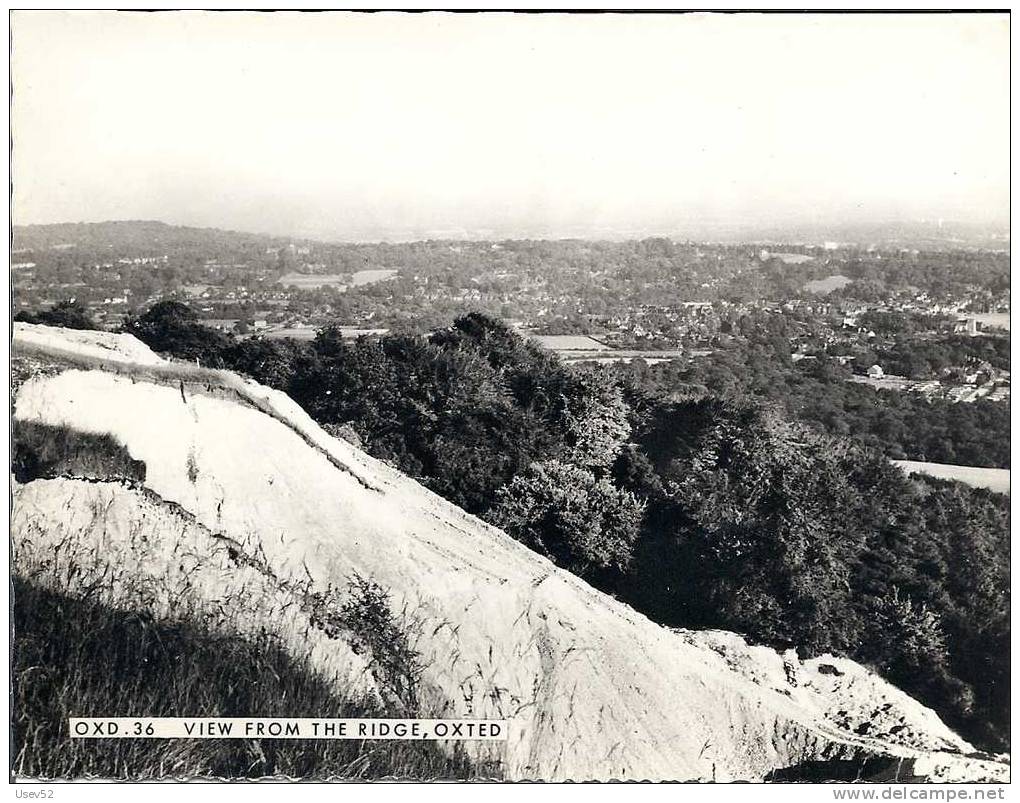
[(395, 663), (564, 512), (68, 314), (171, 327), (594, 417)]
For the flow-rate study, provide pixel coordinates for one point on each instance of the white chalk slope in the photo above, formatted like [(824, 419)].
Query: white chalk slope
[(592, 689)]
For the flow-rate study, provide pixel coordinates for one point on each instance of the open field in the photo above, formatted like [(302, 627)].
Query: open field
[(793, 259), (997, 319), (361, 277), (618, 355), (582, 348), (828, 284), (888, 382), (313, 281), (994, 479), (569, 343), (309, 333)]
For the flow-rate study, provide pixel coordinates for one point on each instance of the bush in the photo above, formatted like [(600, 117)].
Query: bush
[(170, 327), (365, 619), (567, 514), (68, 314)]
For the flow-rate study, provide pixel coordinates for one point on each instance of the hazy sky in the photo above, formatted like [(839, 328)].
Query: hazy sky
[(371, 126)]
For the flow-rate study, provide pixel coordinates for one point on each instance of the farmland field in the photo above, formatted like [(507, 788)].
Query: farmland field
[(793, 259), (828, 284), (998, 319), (371, 276), (994, 479), (570, 343), (313, 281)]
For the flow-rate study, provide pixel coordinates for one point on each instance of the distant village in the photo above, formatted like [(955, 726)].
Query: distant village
[(292, 290)]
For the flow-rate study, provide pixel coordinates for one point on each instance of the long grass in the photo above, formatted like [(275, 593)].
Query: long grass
[(80, 657)]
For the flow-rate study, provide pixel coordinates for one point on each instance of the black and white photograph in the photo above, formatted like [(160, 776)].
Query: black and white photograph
[(510, 396)]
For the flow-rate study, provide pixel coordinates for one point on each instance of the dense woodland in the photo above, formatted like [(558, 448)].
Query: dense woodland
[(694, 496), (903, 426)]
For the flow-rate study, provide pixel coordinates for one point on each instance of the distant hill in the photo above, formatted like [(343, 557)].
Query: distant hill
[(125, 235), (924, 235)]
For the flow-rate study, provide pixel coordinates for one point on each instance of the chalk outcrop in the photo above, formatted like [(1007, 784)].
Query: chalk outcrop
[(250, 513)]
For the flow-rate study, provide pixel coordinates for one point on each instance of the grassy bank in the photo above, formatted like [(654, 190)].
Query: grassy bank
[(76, 657)]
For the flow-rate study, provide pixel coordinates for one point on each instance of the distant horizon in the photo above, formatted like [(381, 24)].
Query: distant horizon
[(752, 232)]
